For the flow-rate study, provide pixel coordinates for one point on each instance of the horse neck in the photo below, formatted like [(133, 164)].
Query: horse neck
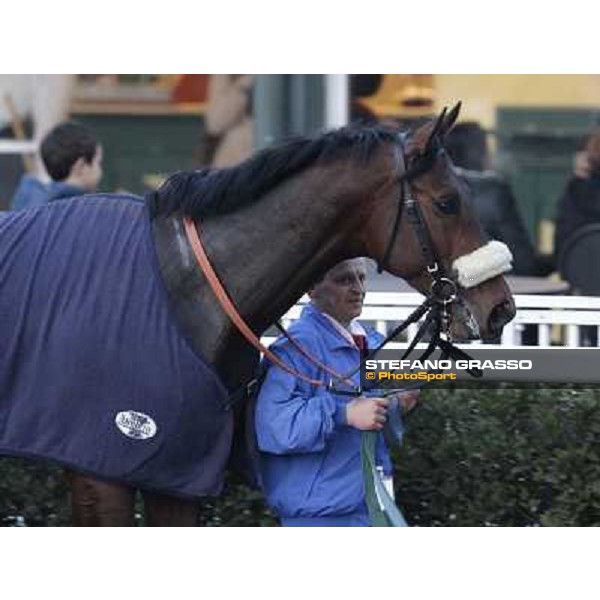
[(269, 253), (266, 255)]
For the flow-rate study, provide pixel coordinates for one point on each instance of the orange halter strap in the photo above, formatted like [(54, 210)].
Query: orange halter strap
[(232, 312)]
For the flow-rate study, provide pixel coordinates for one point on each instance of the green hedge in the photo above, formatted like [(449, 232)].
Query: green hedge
[(471, 457), (521, 457)]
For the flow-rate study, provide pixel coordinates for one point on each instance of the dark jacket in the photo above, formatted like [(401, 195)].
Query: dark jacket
[(499, 216), (578, 206)]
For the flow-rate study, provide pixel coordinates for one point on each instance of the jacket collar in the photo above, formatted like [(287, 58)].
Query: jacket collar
[(59, 190), (333, 335)]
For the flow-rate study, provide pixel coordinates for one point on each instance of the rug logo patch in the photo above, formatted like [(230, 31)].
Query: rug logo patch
[(136, 425)]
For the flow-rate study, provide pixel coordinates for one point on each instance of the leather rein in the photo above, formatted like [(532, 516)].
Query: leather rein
[(442, 294)]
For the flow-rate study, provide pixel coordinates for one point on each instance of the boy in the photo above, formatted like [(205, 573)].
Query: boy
[(72, 156)]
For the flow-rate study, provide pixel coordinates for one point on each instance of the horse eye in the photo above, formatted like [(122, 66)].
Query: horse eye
[(448, 205)]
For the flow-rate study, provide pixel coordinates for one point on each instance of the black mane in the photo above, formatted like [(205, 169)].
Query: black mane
[(198, 194)]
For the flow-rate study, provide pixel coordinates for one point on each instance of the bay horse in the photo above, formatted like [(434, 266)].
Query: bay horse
[(116, 360)]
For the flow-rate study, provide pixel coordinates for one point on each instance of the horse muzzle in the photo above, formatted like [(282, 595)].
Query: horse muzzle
[(474, 273)]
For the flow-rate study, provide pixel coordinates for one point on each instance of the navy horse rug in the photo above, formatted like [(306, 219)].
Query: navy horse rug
[(94, 372)]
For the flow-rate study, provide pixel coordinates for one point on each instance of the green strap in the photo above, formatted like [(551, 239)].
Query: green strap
[(386, 513)]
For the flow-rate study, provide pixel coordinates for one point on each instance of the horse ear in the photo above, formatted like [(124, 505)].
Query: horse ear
[(438, 128), (450, 119), (424, 135)]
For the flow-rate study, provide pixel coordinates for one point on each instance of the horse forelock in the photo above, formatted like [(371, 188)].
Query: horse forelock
[(199, 194)]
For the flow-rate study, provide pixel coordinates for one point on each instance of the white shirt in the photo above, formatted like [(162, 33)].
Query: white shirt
[(355, 328)]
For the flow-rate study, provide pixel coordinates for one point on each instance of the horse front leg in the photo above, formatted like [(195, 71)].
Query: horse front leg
[(168, 511), (98, 503)]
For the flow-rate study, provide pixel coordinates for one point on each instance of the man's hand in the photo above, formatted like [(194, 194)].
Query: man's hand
[(367, 414)]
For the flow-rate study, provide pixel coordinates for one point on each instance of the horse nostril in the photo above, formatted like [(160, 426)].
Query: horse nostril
[(501, 314)]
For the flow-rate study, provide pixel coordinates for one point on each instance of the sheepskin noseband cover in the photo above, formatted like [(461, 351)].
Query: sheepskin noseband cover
[(482, 264)]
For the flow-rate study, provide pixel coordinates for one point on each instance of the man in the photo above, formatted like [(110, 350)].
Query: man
[(72, 155), (309, 437), (493, 198), (579, 204)]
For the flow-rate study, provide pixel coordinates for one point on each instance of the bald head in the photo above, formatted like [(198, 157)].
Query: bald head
[(341, 292)]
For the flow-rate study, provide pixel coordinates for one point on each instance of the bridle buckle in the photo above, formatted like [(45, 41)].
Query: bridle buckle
[(443, 290)]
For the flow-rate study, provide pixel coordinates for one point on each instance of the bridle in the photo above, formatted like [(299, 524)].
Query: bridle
[(443, 291)]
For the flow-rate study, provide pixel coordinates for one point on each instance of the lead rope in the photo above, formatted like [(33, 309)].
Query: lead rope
[(383, 510)]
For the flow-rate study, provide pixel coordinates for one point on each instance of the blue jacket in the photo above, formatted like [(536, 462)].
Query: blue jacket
[(31, 192), (310, 457), (58, 190)]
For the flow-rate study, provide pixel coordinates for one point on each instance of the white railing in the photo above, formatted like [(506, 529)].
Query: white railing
[(558, 319), (18, 147)]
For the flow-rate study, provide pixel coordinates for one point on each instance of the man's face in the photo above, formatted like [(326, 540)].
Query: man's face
[(342, 291)]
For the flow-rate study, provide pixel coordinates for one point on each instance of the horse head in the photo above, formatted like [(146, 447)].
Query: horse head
[(423, 220)]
